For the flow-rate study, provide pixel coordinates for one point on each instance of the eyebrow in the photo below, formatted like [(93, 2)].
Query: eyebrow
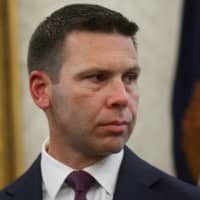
[(136, 68), (92, 70)]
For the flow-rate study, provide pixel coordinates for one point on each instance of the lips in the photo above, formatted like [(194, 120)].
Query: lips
[(115, 126), (116, 122)]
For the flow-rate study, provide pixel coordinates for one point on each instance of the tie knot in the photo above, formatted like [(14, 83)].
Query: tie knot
[(80, 181)]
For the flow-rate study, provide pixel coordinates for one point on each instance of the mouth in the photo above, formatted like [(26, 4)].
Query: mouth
[(115, 126)]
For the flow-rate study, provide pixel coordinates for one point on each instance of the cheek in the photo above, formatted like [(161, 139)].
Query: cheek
[(135, 96), (133, 104), (87, 104)]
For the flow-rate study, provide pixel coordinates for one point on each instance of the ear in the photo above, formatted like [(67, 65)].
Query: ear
[(39, 84)]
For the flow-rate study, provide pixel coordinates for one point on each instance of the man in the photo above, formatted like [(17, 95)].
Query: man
[(83, 69)]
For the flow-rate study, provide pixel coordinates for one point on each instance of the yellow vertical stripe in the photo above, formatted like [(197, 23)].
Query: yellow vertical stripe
[(10, 141)]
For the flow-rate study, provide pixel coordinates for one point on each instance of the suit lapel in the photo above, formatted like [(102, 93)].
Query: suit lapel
[(136, 180), (29, 186)]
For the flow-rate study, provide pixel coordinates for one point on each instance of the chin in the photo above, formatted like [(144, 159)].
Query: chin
[(107, 146), (112, 148)]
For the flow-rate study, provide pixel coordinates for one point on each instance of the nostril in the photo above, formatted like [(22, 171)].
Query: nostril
[(119, 105)]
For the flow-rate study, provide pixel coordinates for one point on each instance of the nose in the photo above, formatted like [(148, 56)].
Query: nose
[(118, 95)]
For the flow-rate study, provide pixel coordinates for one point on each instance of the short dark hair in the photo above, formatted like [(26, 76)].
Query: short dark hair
[(47, 42)]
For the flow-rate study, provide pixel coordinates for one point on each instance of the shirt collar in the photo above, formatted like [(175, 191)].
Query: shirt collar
[(53, 171), (104, 171)]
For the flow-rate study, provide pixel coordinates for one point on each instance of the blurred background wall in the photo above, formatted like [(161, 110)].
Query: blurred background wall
[(159, 22)]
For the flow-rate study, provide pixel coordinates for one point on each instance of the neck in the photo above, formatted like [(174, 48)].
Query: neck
[(69, 157)]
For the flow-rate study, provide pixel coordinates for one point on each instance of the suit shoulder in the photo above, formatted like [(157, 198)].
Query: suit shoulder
[(176, 187), (158, 180), (3, 195), (26, 184)]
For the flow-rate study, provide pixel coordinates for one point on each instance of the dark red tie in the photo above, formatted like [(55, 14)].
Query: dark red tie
[(80, 182)]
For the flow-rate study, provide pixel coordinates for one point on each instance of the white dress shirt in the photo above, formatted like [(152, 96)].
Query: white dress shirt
[(54, 174)]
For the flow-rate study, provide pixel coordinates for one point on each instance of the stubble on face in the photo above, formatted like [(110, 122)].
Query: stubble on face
[(83, 127)]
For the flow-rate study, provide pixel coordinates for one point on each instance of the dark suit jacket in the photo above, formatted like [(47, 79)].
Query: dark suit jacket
[(137, 181)]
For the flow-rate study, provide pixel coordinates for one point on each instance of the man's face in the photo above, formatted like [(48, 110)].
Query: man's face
[(93, 106)]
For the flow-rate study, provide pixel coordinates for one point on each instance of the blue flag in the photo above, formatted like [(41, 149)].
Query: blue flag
[(186, 96)]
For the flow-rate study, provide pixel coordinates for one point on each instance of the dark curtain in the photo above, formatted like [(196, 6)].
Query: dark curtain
[(186, 96)]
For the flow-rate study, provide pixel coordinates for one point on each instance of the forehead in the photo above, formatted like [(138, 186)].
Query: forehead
[(98, 40), (99, 49)]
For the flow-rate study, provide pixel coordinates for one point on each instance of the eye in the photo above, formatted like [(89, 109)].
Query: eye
[(98, 77), (130, 77)]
